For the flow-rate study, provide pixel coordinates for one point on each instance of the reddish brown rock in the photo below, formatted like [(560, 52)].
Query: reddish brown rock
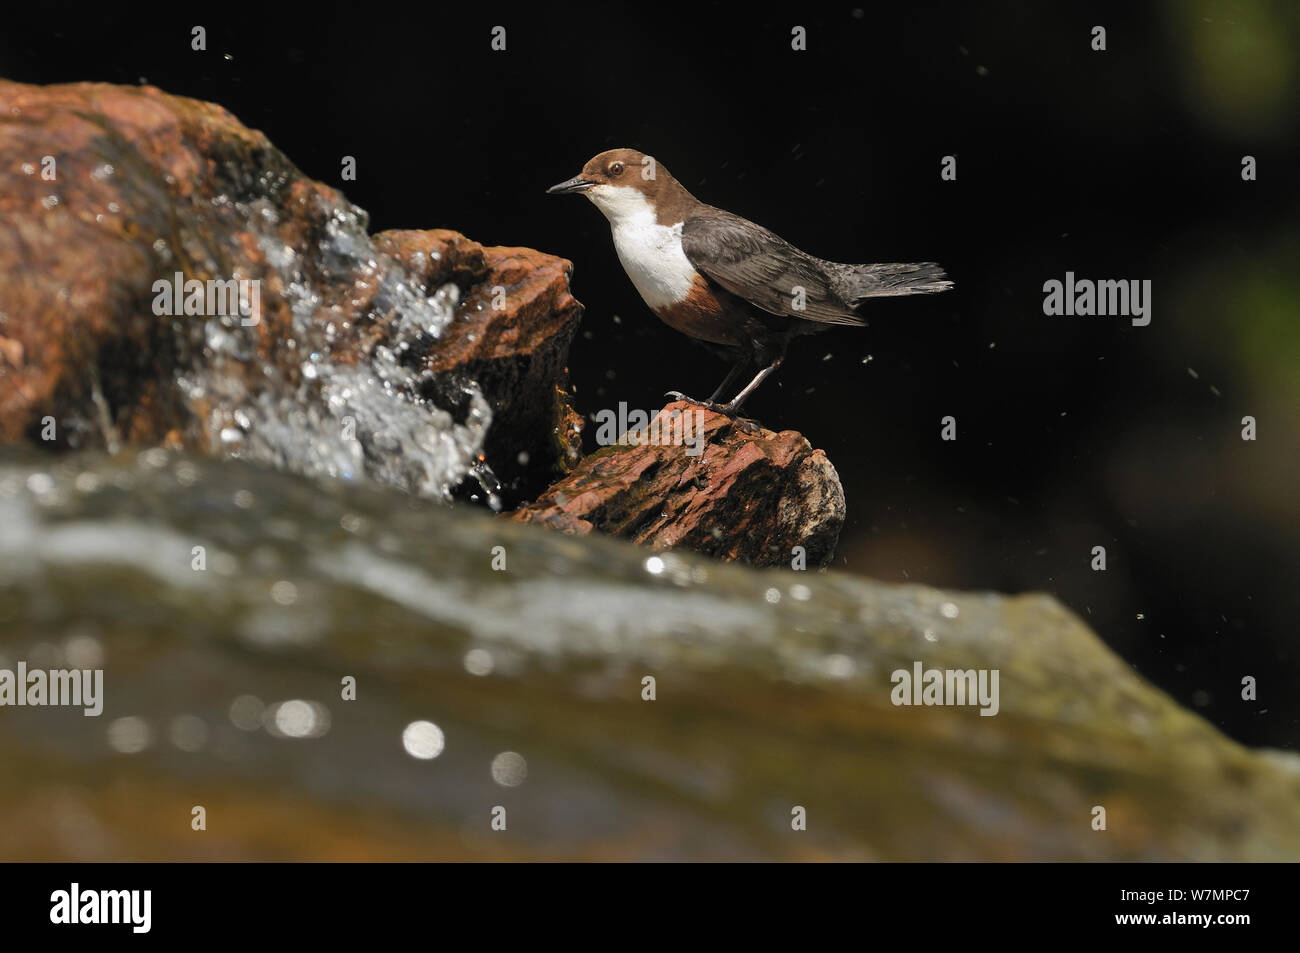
[(512, 333), (144, 185), (752, 498)]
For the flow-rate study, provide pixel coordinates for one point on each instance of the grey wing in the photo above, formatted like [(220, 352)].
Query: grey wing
[(759, 266)]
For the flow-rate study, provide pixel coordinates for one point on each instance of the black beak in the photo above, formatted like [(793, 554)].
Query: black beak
[(575, 184)]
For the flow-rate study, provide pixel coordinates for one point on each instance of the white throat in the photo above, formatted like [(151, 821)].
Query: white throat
[(651, 253)]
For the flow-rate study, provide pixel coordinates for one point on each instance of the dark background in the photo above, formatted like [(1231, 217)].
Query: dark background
[(1072, 431)]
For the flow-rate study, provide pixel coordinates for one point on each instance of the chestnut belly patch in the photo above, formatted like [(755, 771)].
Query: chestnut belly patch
[(700, 314)]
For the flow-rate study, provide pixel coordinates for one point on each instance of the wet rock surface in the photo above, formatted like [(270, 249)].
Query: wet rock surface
[(511, 339), (694, 479), (311, 345), (223, 689)]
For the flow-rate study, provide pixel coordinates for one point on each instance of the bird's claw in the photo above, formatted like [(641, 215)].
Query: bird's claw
[(706, 404), (744, 423)]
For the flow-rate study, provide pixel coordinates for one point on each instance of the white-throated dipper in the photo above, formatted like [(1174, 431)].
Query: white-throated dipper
[(725, 281)]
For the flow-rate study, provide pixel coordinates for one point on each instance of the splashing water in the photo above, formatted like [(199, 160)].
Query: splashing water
[(345, 416)]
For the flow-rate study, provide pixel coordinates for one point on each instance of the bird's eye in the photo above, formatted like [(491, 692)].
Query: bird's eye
[(616, 168)]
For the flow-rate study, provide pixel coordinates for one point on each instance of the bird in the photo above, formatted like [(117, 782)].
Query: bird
[(736, 287)]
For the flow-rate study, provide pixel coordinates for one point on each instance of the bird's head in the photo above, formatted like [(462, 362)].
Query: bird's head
[(620, 182)]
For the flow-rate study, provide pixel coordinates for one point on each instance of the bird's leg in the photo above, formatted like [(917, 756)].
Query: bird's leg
[(731, 408), (728, 380), (752, 386), (712, 402)]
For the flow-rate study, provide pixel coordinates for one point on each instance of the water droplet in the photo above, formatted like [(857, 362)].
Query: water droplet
[(423, 740), (83, 651), (284, 592), (246, 712), (189, 732), (839, 666), (129, 735), (297, 719), (479, 662), (509, 769)]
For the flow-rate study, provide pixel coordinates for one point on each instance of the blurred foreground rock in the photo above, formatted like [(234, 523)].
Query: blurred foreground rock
[(309, 344), (223, 688), (692, 479)]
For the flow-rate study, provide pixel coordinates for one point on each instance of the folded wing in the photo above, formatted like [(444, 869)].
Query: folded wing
[(764, 269)]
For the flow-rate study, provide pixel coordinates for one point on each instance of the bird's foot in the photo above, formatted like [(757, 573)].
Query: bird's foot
[(744, 423), (706, 404), (732, 410), (727, 410)]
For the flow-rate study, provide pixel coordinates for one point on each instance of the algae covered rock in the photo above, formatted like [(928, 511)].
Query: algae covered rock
[(615, 703)]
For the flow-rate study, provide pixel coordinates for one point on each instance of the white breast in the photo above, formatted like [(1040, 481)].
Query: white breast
[(651, 253)]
